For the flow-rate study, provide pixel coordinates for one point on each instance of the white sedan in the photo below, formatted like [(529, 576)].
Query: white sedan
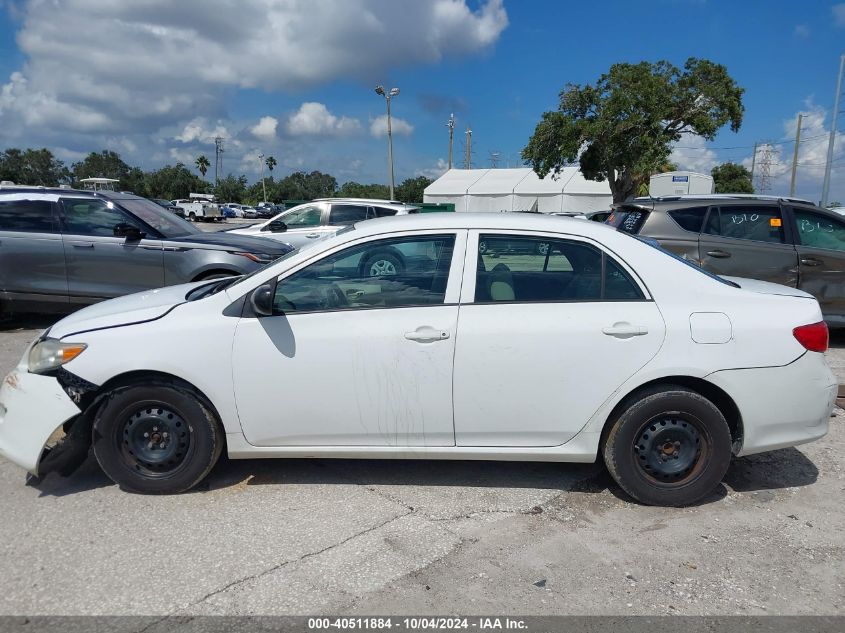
[(399, 338)]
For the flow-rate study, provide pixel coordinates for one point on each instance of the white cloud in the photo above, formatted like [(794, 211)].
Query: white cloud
[(802, 30), (314, 119), (400, 127), (265, 129), (201, 131), (838, 11), (165, 63), (433, 173), (692, 154), (812, 155)]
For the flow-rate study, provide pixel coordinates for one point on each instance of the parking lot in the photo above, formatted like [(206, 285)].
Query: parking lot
[(324, 536)]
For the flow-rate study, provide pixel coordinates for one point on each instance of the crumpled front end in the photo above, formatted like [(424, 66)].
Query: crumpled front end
[(32, 408)]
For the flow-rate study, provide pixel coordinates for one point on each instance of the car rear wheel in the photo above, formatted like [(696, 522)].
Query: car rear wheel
[(156, 438), (192, 216), (670, 447)]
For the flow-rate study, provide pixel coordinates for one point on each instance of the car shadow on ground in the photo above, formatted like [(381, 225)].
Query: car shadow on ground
[(786, 468)]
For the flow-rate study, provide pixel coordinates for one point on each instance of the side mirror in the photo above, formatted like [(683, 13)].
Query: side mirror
[(276, 226), (261, 300), (131, 233)]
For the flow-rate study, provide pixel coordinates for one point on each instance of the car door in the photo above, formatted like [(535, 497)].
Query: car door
[(32, 260), (749, 240), (548, 329), (820, 242), (305, 224), (100, 265), (350, 359)]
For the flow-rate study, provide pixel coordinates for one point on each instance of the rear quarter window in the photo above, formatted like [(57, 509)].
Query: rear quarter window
[(690, 219), (628, 220)]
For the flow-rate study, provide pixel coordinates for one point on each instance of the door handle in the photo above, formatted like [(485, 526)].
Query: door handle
[(312, 235), (82, 244), (427, 334), (811, 261), (719, 253), (625, 330)]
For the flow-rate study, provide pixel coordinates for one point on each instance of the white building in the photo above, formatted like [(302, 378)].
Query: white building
[(477, 190)]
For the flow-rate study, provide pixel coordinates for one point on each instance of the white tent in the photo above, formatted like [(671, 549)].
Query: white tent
[(519, 190)]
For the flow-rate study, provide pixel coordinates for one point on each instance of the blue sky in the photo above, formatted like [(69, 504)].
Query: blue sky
[(156, 83)]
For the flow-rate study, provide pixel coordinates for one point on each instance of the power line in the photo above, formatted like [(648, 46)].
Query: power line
[(773, 144)]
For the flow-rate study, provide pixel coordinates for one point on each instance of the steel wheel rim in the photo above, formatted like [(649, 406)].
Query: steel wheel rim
[(671, 449), (155, 440), (382, 267)]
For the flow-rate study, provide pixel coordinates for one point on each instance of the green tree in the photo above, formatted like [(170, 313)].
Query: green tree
[(105, 164), (231, 189), (271, 164), (307, 186), (626, 123), (202, 164), (732, 178), (174, 181), (354, 189), (32, 167), (411, 189)]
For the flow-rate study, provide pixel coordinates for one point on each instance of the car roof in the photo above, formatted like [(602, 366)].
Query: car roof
[(492, 221), (67, 191), (385, 203)]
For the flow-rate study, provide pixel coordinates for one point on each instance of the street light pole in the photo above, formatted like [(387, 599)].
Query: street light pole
[(387, 96), (834, 116)]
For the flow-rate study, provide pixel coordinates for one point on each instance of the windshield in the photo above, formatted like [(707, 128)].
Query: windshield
[(628, 219), (162, 220), (656, 245)]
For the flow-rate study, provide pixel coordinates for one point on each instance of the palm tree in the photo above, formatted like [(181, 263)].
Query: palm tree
[(271, 162), (202, 164)]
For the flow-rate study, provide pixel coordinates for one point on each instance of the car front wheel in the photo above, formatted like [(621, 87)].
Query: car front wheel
[(670, 447), (156, 438)]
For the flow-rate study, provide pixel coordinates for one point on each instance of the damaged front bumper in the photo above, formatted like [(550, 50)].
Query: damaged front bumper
[(32, 408)]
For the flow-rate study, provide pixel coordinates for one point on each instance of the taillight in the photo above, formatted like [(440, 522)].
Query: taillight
[(814, 337)]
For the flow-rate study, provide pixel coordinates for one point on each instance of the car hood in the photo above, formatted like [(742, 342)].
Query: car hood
[(767, 288), (232, 241), (135, 308)]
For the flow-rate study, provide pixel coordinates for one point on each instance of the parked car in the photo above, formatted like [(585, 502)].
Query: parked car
[(167, 204), (323, 218), (606, 346), (784, 240), (62, 248), (249, 213)]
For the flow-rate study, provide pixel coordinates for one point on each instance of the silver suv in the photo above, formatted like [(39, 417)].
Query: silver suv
[(787, 241), (322, 218), (64, 248)]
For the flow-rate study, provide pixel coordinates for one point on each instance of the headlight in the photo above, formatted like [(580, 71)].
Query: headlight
[(261, 258), (52, 353)]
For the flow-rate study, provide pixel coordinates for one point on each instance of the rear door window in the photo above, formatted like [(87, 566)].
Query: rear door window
[(757, 223), (538, 269), (690, 219), (27, 216), (93, 217), (819, 231), (347, 214)]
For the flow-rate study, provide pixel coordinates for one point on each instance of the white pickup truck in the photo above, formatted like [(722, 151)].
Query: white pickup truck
[(200, 207)]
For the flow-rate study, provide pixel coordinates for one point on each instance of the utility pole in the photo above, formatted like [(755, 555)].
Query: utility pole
[(494, 158), (468, 158), (765, 166), (753, 163), (795, 156), (218, 162), (387, 96), (451, 126), (263, 186), (834, 116)]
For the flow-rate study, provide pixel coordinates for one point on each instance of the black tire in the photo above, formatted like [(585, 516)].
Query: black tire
[(670, 446), (382, 263), (192, 217), (173, 458)]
